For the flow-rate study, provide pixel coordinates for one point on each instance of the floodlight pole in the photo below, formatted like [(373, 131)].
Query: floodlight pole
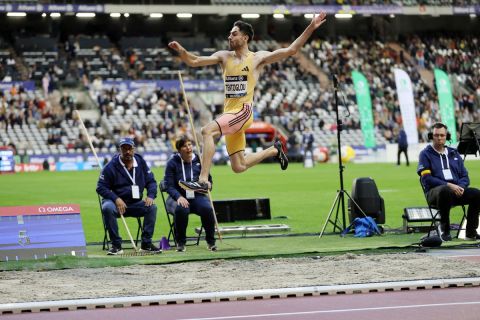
[(339, 201)]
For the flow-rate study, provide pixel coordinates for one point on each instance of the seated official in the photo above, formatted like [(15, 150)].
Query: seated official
[(121, 185), (446, 182), (185, 165)]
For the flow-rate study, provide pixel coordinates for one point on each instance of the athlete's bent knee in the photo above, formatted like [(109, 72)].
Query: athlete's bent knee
[(239, 168)]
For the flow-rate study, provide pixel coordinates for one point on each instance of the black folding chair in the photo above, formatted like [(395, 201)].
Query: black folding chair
[(106, 240), (171, 218), (435, 214)]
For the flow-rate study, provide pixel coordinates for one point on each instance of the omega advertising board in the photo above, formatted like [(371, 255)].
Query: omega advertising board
[(40, 232)]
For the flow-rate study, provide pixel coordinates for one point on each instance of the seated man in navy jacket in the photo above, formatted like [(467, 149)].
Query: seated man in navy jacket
[(446, 182), (185, 165), (121, 185)]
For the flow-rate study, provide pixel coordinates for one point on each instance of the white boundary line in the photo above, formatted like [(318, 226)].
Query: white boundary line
[(276, 315), (122, 302)]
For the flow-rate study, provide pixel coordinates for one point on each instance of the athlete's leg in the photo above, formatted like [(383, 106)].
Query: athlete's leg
[(210, 132), (241, 163)]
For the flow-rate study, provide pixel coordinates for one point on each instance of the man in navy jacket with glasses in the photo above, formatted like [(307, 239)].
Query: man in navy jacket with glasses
[(446, 182)]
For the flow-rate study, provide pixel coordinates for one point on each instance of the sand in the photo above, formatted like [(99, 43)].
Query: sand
[(227, 275)]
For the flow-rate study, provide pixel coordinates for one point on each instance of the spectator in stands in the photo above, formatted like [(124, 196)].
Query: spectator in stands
[(402, 146), (12, 146), (97, 85), (185, 165), (67, 103), (241, 69), (7, 78), (46, 84), (121, 185), (11, 64), (446, 182), (81, 142), (3, 113), (71, 47)]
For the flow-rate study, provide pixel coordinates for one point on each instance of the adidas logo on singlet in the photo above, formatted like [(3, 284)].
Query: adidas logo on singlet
[(245, 69)]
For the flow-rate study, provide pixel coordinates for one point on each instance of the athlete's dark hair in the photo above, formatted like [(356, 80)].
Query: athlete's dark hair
[(245, 28)]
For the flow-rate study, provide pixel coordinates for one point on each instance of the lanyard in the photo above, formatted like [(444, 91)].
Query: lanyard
[(441, 160), (183, 170), (128, 173)]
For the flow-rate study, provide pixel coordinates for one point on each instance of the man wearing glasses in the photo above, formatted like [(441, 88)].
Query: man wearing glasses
[(446, 182)]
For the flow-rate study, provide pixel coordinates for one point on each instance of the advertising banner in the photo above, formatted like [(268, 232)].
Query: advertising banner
[(7, 160), (364, 102), (407, 105), (445, 101), (332, 9), (37, 7), (168, 85), (27, 85)]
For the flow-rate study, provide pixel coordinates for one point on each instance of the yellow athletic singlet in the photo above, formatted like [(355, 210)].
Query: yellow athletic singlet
[(239, 83), (237, 111)]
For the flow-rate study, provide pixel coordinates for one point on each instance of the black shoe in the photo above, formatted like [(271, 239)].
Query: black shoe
[(212, 247), (281, 157), (472, 237), (113, 251), (446, 237), (150, 247), (181, 248), (196, 186)]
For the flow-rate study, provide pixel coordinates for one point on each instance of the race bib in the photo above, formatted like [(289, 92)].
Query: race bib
[(235, 86), (135, 192), (190, 194), (447, 174)]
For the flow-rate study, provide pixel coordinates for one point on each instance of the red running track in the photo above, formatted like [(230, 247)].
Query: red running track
[(436, 304)]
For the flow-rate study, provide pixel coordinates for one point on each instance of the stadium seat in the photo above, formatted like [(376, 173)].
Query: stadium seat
[(171, 215)]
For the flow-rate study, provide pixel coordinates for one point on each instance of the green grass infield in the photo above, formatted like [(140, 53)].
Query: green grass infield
[(299, 197)]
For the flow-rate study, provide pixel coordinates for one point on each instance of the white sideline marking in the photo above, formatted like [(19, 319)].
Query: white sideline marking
[(436, 305)]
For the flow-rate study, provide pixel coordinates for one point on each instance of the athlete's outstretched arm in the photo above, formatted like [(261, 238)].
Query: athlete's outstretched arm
[(193, 60), (267, 57)]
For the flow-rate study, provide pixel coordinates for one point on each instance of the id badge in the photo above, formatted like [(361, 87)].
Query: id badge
[(447, 174), (190, 194), (135, 192)]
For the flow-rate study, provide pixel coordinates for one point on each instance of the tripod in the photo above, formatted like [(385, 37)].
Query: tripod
[(339, 201)]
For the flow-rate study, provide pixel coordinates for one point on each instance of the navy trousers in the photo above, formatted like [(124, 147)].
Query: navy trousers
[(201, 207), (136, 209), (443, 198)]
